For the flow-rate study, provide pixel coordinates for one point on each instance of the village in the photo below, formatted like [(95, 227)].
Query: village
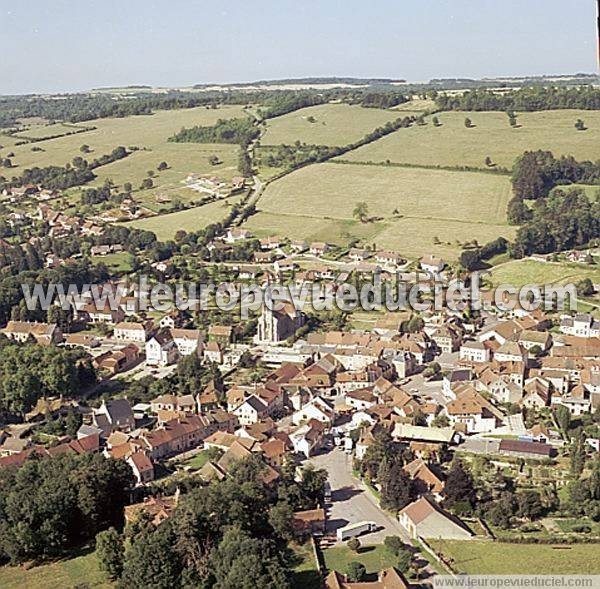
[(439, 396)]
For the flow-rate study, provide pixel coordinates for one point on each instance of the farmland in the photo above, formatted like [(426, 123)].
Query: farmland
[(453, 144), (497, 558), (165, 226), (149, 134), (409, 207), (332, 125)]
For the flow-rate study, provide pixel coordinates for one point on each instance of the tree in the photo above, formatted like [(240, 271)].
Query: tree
[(585, 287), (436, 122), (529, 505), (146, 183), (353, 544), (84, 148), (281, 518), (488, 162), (405, 560), (213, 160), (459, 486), (127, 187), (580, 125), (355, 571), (162, 166), (468, 123), (563, 418), (110, 551), (361, 211), (396, 486), (394, 544)]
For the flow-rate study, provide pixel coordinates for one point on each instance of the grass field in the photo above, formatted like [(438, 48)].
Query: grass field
[(165, 226), (317, 202), (150, 134), (81, 571), (41, 131), (335, 124), (452, 144), (375, 558), (118, 262), (521, 272), (495, 558)]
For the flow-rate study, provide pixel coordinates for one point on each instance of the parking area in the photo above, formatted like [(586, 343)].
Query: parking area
[(352, 502)]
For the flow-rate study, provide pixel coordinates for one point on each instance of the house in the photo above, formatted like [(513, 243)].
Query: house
[(432, 264), (114, 414), (308, 438), (389, 259), (447, 339), (222, 334), (161, 350), (117, 360), (582, 325), (474, 352), (42, 333), (425, 480), (156, 509), (187, 341), (530, 339), (236, 234), (510, 351), (361, 399), (309, 522), (317, 410), (102, 313), (473, 413), (130, 331), (213, 353), (386, 579), (298, 245), (358, 254), (252, 410), (318, 248), (424, 519), (142, 467)]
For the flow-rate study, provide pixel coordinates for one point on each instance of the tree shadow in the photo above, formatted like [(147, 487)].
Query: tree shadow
[(345, 493)]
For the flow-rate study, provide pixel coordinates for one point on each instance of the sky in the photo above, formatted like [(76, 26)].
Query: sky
[(74, 45)]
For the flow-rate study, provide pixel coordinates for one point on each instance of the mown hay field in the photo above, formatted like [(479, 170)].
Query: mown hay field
[(409, 208)]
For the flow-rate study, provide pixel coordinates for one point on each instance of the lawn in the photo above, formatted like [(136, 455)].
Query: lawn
[(317, 203), (521, 272), (41, 131), (334, 124), (118, 262), (165, 226), (496, 558), (79, 571), (305, 572), (374, 558), (453, 144), (197, 461), (149, 133)]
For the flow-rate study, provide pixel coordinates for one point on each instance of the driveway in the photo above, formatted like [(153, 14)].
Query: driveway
[(352, 501)]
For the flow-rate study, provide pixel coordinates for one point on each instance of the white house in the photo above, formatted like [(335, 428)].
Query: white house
[(252, 410), (582, 325), (474, 352), (432, 264), (186, 340), (130, 331), (161, 349), (318, 409)]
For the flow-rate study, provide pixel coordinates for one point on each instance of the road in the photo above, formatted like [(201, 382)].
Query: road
[(352, 501)]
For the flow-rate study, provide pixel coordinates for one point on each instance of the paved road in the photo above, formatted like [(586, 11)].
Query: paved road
[(352, 502)]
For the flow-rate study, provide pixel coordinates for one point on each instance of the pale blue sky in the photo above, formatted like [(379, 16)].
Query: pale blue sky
[(67, 45)]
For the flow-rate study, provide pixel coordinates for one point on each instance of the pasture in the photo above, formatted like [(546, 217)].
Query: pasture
[(409, 208), (194, 219), (453, 144), (332, 125), (498, 558), (149, 133)]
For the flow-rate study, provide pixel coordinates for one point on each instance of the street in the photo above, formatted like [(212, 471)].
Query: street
[(352, 501)]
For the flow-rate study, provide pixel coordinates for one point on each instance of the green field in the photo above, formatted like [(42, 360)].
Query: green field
[(335, 124), (40, 131), (452, 144), (165, 226), (521, 272), (375, 558), (496, 558), (81, 571), (118, 262), (316, 203), (150, 134)]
